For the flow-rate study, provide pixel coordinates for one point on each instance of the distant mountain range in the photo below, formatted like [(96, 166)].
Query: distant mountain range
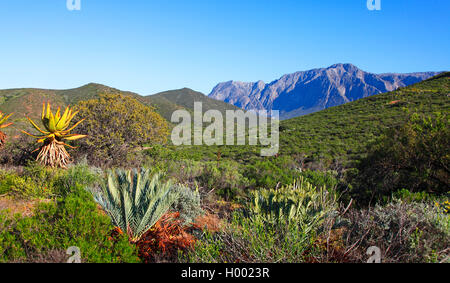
[(310, 91)]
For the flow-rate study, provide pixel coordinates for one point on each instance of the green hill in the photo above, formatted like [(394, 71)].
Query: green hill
[(28, 101), (344, 131), (169, 101)]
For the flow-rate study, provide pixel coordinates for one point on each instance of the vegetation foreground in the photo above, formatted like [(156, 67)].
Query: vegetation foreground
[(371, 173)]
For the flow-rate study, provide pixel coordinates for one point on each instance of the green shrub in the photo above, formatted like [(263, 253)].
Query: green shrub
[(280, 226), (253, 240), (414, 156), (408, 196), (271, 173), (71, 221), (37, 181), (404, 232), (117, 125), (22, 186), (321, 179), (188, 204), (224, 177), (77, 175), (300, 203)]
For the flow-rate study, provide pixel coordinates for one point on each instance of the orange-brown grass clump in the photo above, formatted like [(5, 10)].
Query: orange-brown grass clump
[(209, 222), (164, 241)]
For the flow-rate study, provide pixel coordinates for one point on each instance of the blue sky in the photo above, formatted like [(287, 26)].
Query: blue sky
[(149, 46)]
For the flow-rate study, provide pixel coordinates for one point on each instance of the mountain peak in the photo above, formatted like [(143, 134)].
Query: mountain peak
[(347, 67), (342, 65), (96, 85)]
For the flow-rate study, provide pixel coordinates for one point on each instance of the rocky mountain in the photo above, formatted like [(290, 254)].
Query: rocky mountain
[(310, 91)]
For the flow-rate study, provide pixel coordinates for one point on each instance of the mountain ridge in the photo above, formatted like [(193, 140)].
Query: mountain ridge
[(28, 101), (305, 92)]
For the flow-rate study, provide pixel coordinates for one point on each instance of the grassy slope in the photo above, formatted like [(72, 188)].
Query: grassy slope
[(28, 101), (169, 101), (344, 131)]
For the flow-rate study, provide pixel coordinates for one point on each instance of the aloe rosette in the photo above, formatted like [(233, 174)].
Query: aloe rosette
[(53, 152)]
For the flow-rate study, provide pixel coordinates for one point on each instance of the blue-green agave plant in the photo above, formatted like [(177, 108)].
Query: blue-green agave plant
[(134, 200)]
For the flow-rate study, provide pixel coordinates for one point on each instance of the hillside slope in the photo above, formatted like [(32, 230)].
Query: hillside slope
[(168, 101), (28, 101), (344, 131), (310, 91)]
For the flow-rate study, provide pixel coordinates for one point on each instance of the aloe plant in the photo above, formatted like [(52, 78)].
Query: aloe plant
[(134, 200), (300, 203), (53, 153), (3, 124)]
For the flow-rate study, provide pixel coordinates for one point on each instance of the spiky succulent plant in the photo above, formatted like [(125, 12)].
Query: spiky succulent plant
[(300, 202), (3, 119), (134, 200), (53, 152)]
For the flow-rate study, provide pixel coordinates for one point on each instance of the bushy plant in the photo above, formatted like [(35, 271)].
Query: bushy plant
[(224, 177), (73, 220), (299, 203), (253, 240), (408, 196), (77, 175), (415, 156), (404, 232), (18, 153), (37, 181), (21, 187), (271, 172), (188, 204), (281, 225), (34, 181), (328, 179), (117, 125), (183, 171)]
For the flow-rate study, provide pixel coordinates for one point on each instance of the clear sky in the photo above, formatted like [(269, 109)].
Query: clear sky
[(149, 46)]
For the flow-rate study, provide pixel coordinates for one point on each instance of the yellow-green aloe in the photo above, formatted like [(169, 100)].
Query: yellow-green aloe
[(56, 131), (3, 120)]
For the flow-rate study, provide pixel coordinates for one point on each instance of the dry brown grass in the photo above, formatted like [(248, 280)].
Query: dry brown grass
[(210, 222)]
